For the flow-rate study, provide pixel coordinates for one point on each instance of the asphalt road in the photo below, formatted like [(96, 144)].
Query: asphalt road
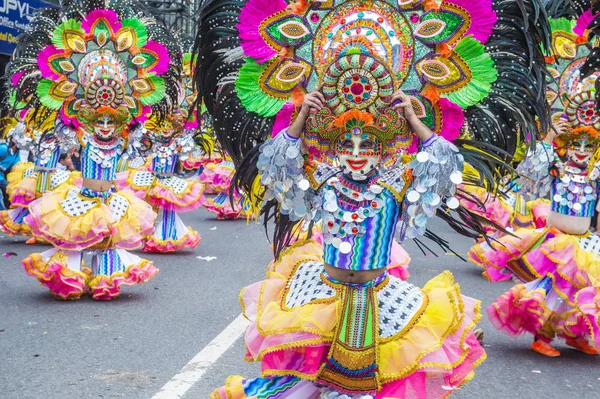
[(131, 347)]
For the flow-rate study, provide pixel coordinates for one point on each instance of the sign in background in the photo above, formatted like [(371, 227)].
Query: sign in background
[(14, 17)]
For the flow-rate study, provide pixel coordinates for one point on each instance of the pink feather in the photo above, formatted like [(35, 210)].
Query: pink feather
[(192, 123), (483, 17), (251, 16), (162, 54), (146, 111), (93, 16), (68, 121), (43, 61), (283, 119), (453, 118), (14, 80), (583, 22)]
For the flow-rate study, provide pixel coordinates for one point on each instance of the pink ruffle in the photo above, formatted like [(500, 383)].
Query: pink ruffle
[(582, 320), (559, 263), (122, 184), (491, 210), (519, 311), (495, 258), (163, 197), (189, 241), (106, 288), (62, 282), (216, 179), (540, 214), (435, 383)]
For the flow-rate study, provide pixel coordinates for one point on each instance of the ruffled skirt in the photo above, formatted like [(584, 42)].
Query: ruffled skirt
[(390, 340), (62, 272), (25, 185), (222, 206), (216, 177), (559, 274), (171, 235), (73, 222), (511, 213)]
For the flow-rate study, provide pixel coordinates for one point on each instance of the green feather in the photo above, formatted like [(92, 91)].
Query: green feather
[(43, 91), (483, 73), (140, 30), (250, 93), (159, 92), (57, 35), (561, 24)]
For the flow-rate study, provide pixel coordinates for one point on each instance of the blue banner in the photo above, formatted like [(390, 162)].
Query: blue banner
[(14, 17)]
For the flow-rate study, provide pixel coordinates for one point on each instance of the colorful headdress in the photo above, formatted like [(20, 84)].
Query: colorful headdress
[(188, 94), (100, 57), (460, 61), (570, 94)]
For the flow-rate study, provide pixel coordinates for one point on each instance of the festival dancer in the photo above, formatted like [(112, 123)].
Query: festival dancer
[(170, 142), (104, 67), (336, 324), (29, 181), (558, 266), (167, 193)]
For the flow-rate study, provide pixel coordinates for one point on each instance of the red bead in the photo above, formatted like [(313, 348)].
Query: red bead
[(355, 194), (355, 230), (354, 216), (330, 224), (374, 204)]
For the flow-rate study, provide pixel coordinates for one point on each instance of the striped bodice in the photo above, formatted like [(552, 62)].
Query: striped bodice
[(370, 239), (164, 163), (48, 158), (574, 195), (100, 163)]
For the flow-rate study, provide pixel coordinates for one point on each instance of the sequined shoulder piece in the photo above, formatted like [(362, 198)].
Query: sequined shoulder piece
[(319, 173), (397, 181)]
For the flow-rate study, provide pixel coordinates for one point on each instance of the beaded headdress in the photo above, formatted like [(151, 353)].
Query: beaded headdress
[(570, 94), (99, 57), (460, 61)]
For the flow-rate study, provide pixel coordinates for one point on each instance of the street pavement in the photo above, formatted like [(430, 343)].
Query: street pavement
[(131, 347)]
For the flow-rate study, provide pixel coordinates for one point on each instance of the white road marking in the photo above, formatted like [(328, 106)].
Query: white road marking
[(192, 372)]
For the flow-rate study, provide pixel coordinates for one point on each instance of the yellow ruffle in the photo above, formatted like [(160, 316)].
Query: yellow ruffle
[(399, 356), (16, 175), (137, 222), (13, 228), (98, 221)]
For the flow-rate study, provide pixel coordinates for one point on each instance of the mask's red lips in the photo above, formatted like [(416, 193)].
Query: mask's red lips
[(357, 165), (581, 157)]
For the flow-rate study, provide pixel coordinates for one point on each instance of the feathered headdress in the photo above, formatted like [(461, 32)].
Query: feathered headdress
[(473, 62), (571, 93), (98, 57)]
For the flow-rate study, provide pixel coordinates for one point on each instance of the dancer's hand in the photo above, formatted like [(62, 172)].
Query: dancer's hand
[(401, 100), (558, 128), (312, 101)]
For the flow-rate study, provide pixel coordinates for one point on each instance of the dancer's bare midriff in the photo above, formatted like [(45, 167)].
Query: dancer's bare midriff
[(569, 224), (353, 276), (97, 185)]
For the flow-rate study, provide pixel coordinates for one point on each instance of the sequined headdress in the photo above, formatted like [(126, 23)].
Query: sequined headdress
[(461, 62), (570, 94), (99, 57)]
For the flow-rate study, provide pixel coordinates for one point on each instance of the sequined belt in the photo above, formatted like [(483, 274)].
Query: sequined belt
[(89, 193)]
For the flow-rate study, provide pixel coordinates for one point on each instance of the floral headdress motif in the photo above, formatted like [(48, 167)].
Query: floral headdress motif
[(102, 64), (571, 96), (361, 52)]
